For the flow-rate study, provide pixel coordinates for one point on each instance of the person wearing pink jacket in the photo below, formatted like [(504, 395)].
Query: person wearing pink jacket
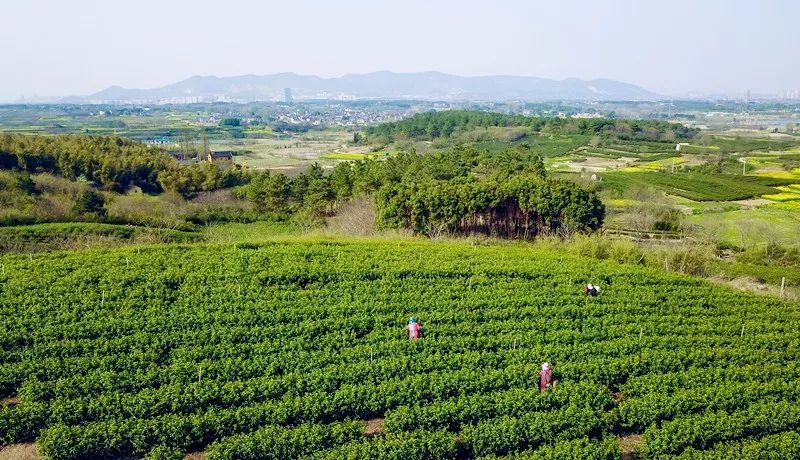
[(413, 328), (545, 377)]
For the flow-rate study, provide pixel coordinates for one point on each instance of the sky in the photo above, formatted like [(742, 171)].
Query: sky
[(674, 48)]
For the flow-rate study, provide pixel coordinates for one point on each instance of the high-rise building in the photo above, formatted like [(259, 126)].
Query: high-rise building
[(792, 94), (287, 95)]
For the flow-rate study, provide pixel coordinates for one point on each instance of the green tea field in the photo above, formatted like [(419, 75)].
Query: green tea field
[(297, 349)]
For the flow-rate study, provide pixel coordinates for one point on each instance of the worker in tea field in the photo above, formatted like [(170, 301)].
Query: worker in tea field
[(591, 290), (413, 328), (545, 377)]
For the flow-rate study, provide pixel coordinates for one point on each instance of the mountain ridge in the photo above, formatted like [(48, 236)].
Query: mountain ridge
[(430, 85)]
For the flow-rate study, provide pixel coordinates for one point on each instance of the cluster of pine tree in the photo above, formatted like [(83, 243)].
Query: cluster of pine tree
[(522, 206), (432, 125), (458, 194)]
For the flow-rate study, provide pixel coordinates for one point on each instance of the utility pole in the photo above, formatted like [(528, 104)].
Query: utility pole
[(188, 143), (744, 166)]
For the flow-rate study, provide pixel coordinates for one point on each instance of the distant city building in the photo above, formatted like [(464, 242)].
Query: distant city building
[(287, 95), (587, 115)]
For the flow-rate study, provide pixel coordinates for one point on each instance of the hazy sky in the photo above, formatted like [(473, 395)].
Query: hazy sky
[(63, 47)]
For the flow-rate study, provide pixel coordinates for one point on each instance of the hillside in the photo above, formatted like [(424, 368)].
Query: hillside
[(289, 350), (378, 85)]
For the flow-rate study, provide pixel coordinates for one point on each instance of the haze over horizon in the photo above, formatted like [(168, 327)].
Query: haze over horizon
[(56, 49)]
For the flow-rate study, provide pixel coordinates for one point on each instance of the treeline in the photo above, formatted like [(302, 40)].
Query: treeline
[(432, 125), (462, 191), (111, 163)]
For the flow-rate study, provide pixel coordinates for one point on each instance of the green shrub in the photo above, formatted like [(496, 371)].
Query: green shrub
[(91, 203)]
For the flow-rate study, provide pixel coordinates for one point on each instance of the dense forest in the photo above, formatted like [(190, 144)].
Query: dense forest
[(433, 125), (112, 163)]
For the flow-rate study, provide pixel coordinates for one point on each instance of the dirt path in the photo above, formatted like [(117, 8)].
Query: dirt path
[(27, 451), (630, 445)]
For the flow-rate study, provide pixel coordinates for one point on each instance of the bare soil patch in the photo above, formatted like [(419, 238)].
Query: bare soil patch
[(374, 427), (769, 169), (200, 455), (630, 445), (27, 451), (753, 202), (600, 164), (692, 159), (618, 397), (750, 284), (356, 217)]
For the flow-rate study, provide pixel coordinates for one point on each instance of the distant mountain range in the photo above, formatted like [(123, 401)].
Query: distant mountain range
[(375, 85)]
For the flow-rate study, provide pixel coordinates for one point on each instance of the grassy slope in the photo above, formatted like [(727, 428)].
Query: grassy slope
[(747, 227)]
